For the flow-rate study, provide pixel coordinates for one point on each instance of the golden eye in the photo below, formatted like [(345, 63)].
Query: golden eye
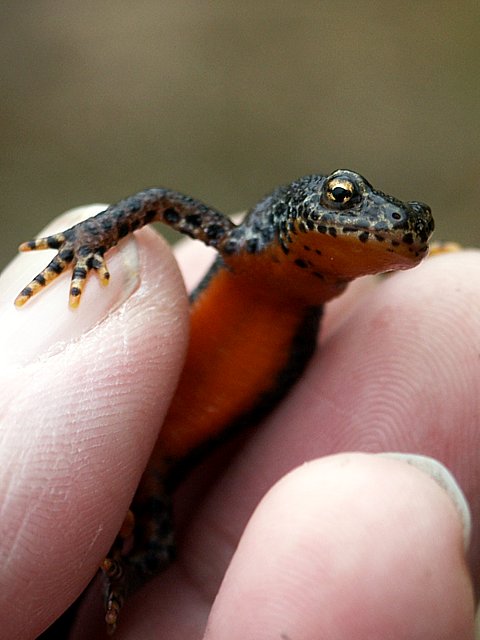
[(340, 190)]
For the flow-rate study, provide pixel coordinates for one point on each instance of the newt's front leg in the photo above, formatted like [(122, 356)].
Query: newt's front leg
[(83, 246)]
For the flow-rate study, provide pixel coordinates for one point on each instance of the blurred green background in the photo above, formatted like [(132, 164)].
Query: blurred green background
[(225, 100)]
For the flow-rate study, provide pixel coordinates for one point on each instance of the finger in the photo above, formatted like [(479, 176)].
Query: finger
[(350, 546), (82, 396)]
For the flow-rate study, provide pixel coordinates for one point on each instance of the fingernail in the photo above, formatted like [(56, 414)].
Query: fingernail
[(46, 323), (442, 476)]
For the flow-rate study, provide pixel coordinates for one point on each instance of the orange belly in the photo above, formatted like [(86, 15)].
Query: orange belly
[(237, 348)]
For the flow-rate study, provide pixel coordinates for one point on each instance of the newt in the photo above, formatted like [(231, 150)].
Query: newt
[(254, 320)]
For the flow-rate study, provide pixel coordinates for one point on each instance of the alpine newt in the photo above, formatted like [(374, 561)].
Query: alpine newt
[(254, 319)]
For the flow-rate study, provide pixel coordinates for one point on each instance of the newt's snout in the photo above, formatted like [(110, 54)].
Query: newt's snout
[(422, 220)]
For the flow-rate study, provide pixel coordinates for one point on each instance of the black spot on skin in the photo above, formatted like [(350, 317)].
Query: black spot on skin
[(301, 263), (79, 273), (26, 293), (280, 209), (284, 248), (96, 263), (55, 266), (149, 216), (322, 228), (214, 231), (123, 230), (379, 238), (134, 224), (40, 279), (171, 216), (408, 238), (318, 252), (332, 231), (53, 243), (395, 243), (363, 237), (33, 243), (252, 245), (310, 225), (319, 275), (230, 247), (75, 292), (194, 220), (349, 230), (302, 226), (306, 247)]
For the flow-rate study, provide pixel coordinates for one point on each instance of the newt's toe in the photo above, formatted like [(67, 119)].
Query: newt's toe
[(47, 242), (56, 266)]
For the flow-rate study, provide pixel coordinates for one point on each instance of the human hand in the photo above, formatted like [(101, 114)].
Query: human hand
[(346, 546)]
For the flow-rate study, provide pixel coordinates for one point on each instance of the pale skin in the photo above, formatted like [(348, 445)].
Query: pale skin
[(347, 546)]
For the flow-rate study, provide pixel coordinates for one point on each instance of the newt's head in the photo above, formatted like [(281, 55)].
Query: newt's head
[(339, 225), (313, 236)]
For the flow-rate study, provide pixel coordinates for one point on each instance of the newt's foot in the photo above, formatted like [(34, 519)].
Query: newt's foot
[(114, 571), (438, 247), (72, 253), (114, 591)]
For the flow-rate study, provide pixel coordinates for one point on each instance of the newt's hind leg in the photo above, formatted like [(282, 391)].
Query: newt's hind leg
[(439, 247), (143, 547)]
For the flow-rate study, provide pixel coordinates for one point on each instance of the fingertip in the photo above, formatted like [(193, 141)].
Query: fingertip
[(348, 546)]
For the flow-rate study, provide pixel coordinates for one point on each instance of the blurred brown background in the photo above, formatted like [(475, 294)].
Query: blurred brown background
[(225, 100)]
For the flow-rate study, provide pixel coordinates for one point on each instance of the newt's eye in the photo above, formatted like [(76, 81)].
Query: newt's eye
[(340, 191)]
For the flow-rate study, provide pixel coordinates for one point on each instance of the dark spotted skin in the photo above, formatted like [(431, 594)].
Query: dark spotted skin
[(295, 250)]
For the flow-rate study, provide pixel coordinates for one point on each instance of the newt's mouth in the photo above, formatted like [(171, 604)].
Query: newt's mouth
[(347, 246), (401, 229)]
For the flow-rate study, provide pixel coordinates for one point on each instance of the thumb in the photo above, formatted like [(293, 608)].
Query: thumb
[(82, 397)]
